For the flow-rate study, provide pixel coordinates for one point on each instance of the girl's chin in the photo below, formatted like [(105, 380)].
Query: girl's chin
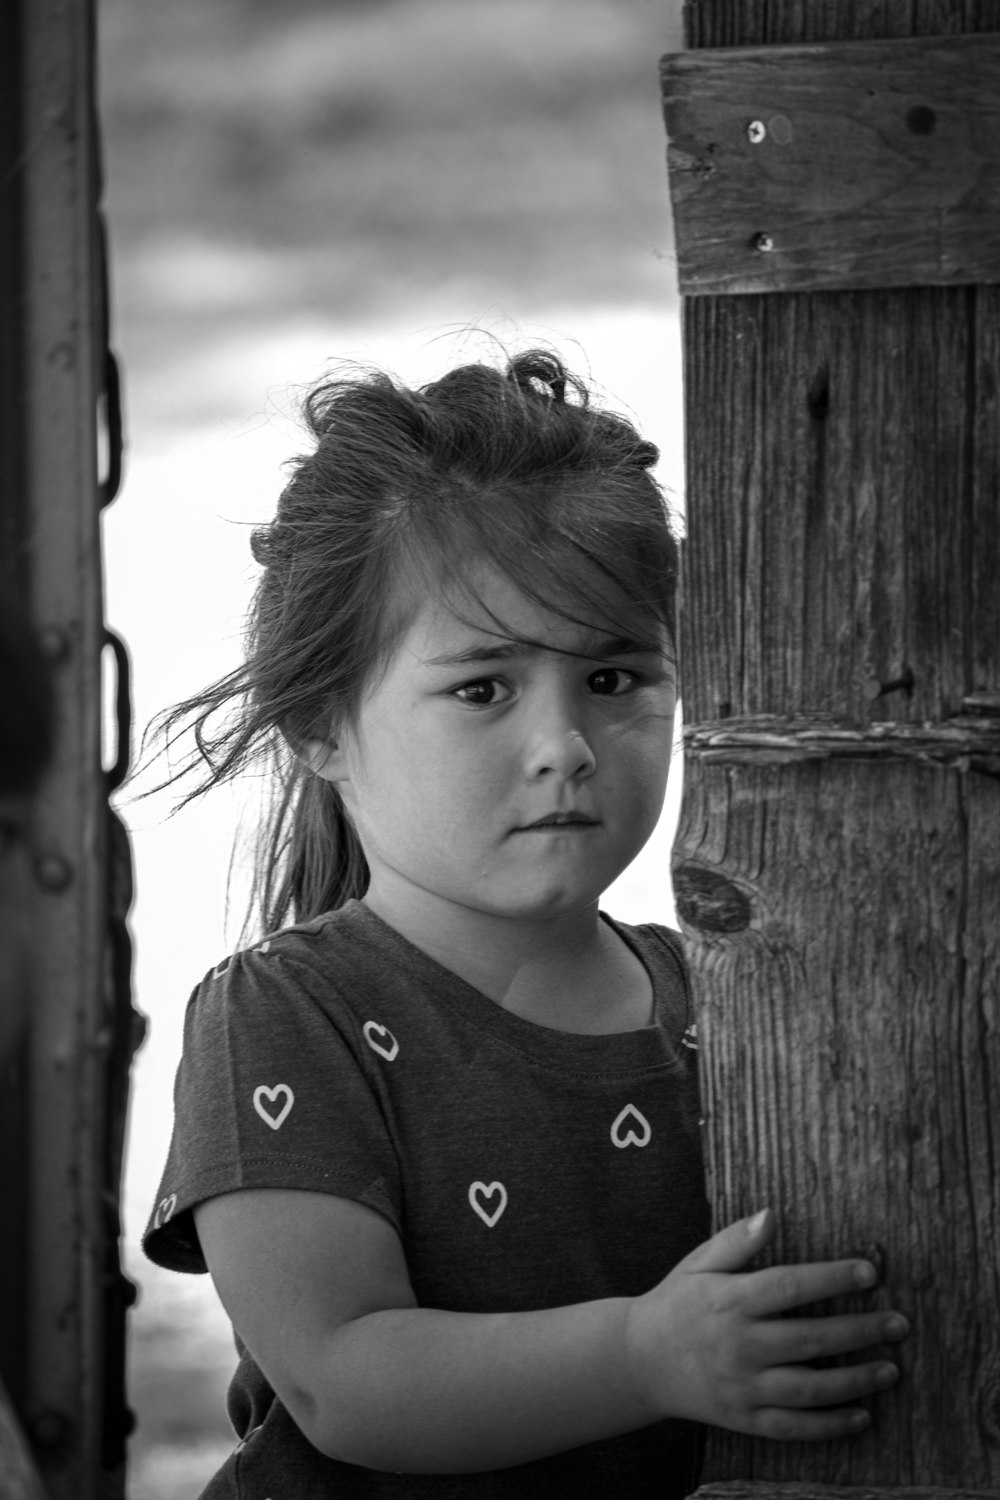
[(537, 905)]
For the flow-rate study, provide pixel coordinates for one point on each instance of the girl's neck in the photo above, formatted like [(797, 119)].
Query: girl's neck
[(570, 972)]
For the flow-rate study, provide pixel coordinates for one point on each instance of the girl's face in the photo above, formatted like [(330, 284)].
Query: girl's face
[(508, 779)]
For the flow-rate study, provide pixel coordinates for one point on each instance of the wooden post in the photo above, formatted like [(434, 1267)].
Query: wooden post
[(837, 867)]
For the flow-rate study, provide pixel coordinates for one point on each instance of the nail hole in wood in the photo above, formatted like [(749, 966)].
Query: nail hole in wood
[(818, 396), (921, 120)]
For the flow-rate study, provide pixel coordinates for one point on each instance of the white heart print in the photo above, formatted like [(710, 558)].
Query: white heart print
[(262, 1092), (481, 1191), (165, 1210), (388, 1047), (630, 1137)]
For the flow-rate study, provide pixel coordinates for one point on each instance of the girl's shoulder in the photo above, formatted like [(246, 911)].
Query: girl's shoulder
[(336, 942), (661, 949), (658, 939), (334, 964), (658, 946)]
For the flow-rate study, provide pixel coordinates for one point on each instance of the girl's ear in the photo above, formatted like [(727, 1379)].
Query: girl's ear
[(324, 758)]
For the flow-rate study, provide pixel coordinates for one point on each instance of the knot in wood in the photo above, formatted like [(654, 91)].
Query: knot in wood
[(710, 901)]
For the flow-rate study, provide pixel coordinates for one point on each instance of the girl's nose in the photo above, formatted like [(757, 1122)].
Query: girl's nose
[(561, 750)]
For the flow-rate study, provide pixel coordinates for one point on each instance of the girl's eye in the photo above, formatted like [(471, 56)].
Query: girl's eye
[(483, 693), (611, 681)]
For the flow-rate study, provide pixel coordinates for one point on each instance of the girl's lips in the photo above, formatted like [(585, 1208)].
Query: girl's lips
[(560, 820)]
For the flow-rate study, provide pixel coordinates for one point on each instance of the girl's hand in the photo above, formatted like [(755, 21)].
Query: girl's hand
[(710, 1345)]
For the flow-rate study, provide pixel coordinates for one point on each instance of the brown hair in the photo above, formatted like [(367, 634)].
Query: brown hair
[(515, 466)]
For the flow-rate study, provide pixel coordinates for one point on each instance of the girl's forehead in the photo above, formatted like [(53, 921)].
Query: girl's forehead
[(486, 601), (486, 607)]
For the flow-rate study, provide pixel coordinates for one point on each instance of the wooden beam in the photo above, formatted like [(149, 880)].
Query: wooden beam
[(747, 1490), (838, 858), (852, 164), (838, 855)]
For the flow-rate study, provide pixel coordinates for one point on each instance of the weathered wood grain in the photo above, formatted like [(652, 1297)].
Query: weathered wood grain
[(738, 1490), (838, 857), (850, 1029), (775, 23), (840, 533), (839, 165)]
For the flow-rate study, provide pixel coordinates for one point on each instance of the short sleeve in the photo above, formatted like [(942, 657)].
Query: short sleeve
[(673, 944), (273, 1090)]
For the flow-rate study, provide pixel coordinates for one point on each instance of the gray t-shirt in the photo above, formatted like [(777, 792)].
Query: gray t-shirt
[(522, 1167)]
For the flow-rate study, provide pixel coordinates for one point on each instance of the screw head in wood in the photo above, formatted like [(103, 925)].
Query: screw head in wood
[(763, 242), (756, 131)]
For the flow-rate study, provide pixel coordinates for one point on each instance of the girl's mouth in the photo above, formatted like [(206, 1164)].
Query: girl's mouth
[(560, 820)]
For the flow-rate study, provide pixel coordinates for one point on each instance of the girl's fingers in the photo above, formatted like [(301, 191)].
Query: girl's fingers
[(733, 1247), (780, 1288), (809, 1426), (799, 1388), (788, 1341)]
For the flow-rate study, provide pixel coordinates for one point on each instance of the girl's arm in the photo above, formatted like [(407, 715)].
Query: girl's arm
[(317, 1287)]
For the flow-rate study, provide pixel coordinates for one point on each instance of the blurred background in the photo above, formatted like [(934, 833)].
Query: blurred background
[(290, 183)]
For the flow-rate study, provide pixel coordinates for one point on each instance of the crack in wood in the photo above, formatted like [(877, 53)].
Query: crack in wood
[(741, 1489), (963, 743)]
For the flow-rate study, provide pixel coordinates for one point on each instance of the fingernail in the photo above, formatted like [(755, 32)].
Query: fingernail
[(886, 1375), (896, 1327), (864, 1273), (756, 1224), (860, 1421)]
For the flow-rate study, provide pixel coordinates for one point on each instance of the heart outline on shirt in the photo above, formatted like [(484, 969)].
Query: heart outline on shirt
[(623, 1138), (478, 1190), (389, 1053), (165, 1210), (262, 1092)]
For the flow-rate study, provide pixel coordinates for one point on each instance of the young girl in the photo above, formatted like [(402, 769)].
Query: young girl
[(437, 1141)]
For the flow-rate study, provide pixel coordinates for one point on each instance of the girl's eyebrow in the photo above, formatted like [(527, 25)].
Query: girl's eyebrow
[(606, 649), (484, 652)]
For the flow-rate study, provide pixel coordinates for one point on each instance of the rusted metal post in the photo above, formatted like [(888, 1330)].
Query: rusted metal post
[(18, 1475), (837, 867), (62, 1297)]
